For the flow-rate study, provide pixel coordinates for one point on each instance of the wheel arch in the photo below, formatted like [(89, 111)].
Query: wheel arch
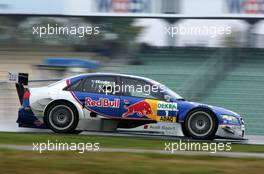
[(202, 108)]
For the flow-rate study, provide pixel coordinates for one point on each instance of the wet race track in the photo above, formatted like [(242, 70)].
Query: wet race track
[(9, 125)]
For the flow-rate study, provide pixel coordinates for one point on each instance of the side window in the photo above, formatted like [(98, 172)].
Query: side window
[(76, 86), (139, 88), (100, 84)]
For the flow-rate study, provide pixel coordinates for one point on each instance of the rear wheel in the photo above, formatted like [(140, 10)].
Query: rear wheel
[(62, 117), (200, 124)]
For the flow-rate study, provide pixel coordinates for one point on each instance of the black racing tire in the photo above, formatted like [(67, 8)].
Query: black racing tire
[(184, 131), (200, 124), (62, 117)]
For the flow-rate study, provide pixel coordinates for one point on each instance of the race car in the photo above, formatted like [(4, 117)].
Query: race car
[(107, 101)]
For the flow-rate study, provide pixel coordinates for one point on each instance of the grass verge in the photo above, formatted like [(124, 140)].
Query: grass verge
[(24, 162), (105, 141)]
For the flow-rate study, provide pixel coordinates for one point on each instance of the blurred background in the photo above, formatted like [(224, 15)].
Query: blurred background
[(225, 70)]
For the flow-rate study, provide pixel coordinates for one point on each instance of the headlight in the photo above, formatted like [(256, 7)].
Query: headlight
[(230, 119)]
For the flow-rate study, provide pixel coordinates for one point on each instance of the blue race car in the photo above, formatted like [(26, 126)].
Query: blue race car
[(106, 101)]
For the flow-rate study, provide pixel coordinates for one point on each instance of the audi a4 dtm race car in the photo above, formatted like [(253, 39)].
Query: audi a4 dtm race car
[(106, 101)]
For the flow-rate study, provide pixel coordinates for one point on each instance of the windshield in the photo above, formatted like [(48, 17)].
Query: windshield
[(166, 90), (171, 93)]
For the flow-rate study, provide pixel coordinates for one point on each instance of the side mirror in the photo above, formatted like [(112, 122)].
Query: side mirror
[(167, 98)]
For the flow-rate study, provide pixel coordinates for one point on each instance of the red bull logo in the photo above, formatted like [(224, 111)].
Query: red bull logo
[(141, 108), (102, 102)]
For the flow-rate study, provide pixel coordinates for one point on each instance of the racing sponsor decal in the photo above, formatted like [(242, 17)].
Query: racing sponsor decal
[(102, 102), (152, 109), (103, 86), (141, 108), (166, 118), (167, 106), (166, 111), (97, 84)]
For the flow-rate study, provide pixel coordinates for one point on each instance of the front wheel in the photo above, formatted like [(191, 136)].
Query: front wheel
[(201, 124), (62, 117)]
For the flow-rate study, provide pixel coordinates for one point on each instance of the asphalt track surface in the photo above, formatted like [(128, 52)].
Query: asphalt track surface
[(11, 126), (250, 139)]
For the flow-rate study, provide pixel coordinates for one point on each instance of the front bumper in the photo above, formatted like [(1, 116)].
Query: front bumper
[(231, 131)]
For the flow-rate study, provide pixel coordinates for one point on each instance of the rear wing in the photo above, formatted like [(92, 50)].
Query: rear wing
[(18, 78), (21, 80)]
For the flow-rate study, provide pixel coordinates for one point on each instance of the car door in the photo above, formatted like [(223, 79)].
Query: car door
[(98, 98), (139, 100)]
